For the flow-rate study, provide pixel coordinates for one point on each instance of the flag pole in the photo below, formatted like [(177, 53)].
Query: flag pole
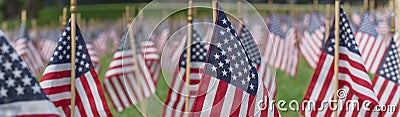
[(214, 8), (371, 6), (336, 60), (271, 6), (4, 26), (239, 10), (365, 7), (393, 23), (315, 2), (73, 50), (188, 56), (23, 17), (327, 22), (64, 18), (141, 97)]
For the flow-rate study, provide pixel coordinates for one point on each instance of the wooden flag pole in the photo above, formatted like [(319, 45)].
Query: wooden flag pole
[(64, 17), (371, 6), (393, 23), (239, 10), (271, 6), (214, 10), (365, 7), (23, 16), (188, 56), (4, 26), (34, 27), (141, 97), (336, 60), (328, 18), (315, 6), (73, 50)]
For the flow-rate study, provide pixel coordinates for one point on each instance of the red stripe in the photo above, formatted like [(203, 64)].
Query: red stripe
[(67, 110), (219, 98), (199, 101), (56, 75), (39, 115), (237, 102), (108, 94), (79, 104), (100, 91), (251, 105), (63, 102), (57, 89), (123, 88)]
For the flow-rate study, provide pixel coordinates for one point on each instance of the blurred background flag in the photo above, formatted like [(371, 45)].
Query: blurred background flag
[(230, 85), (28, 52), (311, 41), (20, 94), (280, 44), (372, 45), (56, 81)]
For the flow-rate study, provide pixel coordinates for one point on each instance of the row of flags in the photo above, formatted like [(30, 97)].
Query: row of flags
[(227, 77)]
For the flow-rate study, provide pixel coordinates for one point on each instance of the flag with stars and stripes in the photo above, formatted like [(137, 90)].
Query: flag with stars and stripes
[(27, 50), (56, 81), (372, 45), (353, 80), (94, 57), (152, 59), (264, 70), (46, 48), (20, 94), (279, 57), (230, 85), (311, 41), (175, 102), (292, 49), (124, 84), (386, 81)]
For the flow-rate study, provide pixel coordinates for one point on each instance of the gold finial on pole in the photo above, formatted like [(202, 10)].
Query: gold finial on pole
[(73, 57), (188, 57), (4, 26), (336, 60), (23, 16)]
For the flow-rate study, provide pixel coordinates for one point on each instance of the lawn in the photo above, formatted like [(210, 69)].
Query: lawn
[(288, 88)]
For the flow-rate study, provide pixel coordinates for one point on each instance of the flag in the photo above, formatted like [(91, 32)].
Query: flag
[(28, 52), (353, 80), (172, 52), (292, 49), (56, 82), (46, 48), (386, 80), (280, 44), (152, 59), (94, 57), (163, 36), (230, 85), (121, 83), (175, 102), (264, 70), (372, 46), (102, 44), (311, 41), (20, 94)]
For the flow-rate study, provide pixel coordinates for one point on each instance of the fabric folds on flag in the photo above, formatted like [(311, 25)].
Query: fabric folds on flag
[(353, 80), (230, 85), (372, 45), (386, 81), (20, 93), (56, 81), (94, 57), (28, 52)]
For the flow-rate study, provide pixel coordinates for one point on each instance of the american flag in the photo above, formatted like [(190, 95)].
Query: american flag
[(121, 83), (312, 39), (162, 37), (56, 82), (372, 46), (20, 94), (264, 70), (230, 85), (396, 38), (102, 44), (152, 59), (28, 52), (280, 44), (172, 52), (175, 102), (292, 49), (353, 78), (386, 81), (46, 48), (94, 57)]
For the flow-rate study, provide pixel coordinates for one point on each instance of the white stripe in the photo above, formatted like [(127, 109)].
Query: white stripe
[(227, 105), (21, 108), (120, 91), (175, 89), (212, 90), (356, 87), (386, 93), (244, 104), (57, 68), (122, 70), (55, 83), (132, 90), (59, 96), (378, 84)]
